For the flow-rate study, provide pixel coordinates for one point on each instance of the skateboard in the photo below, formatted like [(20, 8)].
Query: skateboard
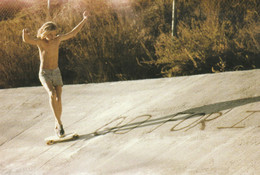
[(55, 139)]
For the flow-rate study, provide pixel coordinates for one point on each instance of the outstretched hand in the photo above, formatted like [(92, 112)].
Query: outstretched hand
[(85, 14), (26, 31)]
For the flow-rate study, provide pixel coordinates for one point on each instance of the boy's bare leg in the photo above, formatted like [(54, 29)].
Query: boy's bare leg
[(55, 100), (59, 104)]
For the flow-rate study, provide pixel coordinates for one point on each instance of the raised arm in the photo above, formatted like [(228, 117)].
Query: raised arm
[(76, 29), (28, 39)]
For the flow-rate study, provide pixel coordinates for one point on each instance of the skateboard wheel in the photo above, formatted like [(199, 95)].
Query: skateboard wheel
[(75, 136), (50, 142)]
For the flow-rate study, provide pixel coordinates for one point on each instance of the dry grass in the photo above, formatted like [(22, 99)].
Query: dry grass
[(213, 40), (134, 43)]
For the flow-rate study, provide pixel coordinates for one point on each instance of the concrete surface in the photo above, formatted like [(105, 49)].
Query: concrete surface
[(203, 124)]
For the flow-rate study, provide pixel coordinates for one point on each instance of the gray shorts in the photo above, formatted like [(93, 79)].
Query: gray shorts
[(53, 76)]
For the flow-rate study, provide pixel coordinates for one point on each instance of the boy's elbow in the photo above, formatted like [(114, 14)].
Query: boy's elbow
[(74, 33)]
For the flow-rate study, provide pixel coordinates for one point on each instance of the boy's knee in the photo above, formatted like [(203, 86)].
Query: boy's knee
[(58, 99), (52, 93)]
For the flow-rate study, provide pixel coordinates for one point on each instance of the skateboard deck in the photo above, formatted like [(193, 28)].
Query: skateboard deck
[(55, 139)]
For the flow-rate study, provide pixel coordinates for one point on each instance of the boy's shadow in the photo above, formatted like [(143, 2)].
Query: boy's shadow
[(190, 113), (87, 136)]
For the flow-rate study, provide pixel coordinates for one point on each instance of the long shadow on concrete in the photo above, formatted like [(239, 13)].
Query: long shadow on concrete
[(187, 114)]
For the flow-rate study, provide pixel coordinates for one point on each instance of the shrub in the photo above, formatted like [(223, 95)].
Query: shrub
[(210, 41)]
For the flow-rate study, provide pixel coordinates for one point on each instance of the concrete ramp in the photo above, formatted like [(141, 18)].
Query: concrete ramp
[(203, 124)]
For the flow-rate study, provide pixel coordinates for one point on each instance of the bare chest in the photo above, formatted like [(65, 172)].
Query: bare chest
[(49, 47)]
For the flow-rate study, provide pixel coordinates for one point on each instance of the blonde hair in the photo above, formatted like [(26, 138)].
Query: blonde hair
[(45, 29)]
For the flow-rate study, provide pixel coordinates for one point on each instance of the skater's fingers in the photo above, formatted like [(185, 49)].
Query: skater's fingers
[(85, 14)]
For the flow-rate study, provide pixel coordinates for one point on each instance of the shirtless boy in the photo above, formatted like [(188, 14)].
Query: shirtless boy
[(48, 43)]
